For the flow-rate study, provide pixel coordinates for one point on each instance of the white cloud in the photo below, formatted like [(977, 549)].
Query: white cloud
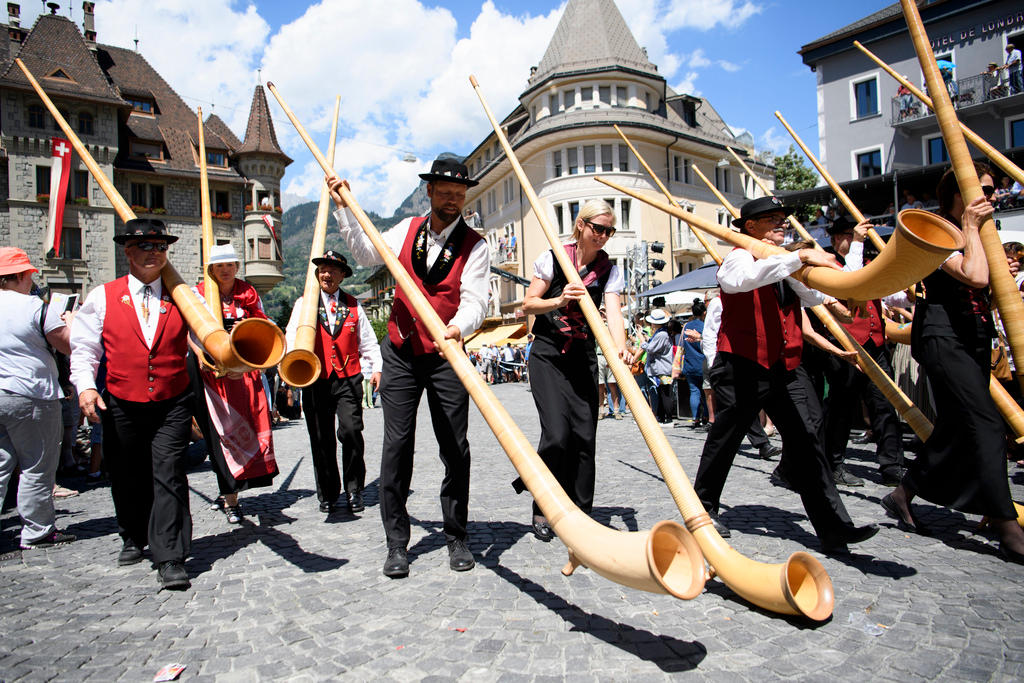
[(688, 84), (772, 140), (698, 60), (728, 66), (704, 16)]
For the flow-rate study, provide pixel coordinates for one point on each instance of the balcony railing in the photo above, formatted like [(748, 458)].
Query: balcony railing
[(964, 92), (506, 255)]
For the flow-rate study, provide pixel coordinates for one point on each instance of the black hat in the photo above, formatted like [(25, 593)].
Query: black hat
[(756, 207), (450, 170), (840, 224), (334, 258), (145, 228)]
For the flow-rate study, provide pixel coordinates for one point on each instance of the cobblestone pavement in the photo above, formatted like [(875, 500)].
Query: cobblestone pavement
[(291, 594)]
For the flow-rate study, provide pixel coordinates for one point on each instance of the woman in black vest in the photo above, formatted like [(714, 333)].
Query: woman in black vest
[(563, 359), (963, 464)]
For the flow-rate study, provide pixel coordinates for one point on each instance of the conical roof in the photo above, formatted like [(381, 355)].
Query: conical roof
[(259, 133), (591, 35)]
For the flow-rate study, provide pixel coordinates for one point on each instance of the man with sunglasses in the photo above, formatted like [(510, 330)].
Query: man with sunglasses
[(146, 408), (759, 347)]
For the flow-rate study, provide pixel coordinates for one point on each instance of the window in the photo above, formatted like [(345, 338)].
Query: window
[(507, 190), (266, 250), (621, 98), (573, 163), (42, 180), (556, 161), (869, 163), (553, 104), (85, 123), (560, 219), (1016, 132), (589, 161), (686, 171), (722, 179), (64, 115), (677, 168), (936, 150), (607, 163), (623, 158), (690, 113), (624, 223), (79, 186), (604, 93), (568, 99), (71, 242), (149, 196), (492, 202), (574, 210), (221, 202), (216, 158), (723, 217), (533, 113), (647, 100), (147, 150), (586, 94), (865, 95), (141, 106), (36, 116)]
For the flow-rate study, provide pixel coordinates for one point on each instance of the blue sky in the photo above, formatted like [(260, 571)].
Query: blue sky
[(402, 68)]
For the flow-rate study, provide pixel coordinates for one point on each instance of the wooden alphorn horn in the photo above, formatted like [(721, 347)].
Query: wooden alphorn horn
[(300, 366), (665, 559), (211, 290), (1004, 289), (798, 586), (899, 400), (921, 242), (995, 156)]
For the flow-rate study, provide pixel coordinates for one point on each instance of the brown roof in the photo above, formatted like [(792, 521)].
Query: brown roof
[(215, 125), (259, 133), (55, 43)]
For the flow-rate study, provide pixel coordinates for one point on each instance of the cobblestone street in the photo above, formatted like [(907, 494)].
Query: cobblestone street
[(293, 594)]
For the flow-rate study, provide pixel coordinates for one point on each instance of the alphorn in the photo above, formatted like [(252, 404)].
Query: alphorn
[(1004, 289), (799, 586), (665, 559), (211, 290), (244, 355), (858, 217), (889, 389), (998, 158), (921, 242), (300, 366)]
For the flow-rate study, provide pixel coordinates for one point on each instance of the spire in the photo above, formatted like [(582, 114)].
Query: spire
[(259, 133), (591, 35)]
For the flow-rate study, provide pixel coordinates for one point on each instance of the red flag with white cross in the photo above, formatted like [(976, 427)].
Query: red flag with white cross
[(60, 172)]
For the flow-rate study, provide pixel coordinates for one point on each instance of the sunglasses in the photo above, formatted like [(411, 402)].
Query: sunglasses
[(988, 190), (600, 229), (151, 246)]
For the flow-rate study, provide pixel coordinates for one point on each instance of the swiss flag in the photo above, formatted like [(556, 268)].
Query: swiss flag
[(270, 224), (60, 172)]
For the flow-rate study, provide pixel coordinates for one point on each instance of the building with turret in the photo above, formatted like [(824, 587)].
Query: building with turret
[(594, 75), (145, 138)]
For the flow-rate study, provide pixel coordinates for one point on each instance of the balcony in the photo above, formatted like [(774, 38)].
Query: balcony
[(506, 259), (964, 93)]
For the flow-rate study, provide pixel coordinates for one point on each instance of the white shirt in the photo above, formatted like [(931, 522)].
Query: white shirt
[(544, 268), (855, 259), (741, 272), (87, 328), (709, 337), (369, 349), (473, 287), (27, 367), (1011, 57)]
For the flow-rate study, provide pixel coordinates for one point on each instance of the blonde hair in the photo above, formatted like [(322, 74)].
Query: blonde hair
[(592, 209)]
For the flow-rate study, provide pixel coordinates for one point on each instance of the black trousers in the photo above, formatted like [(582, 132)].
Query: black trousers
[(564, 387), (846, 387), (324, 401), (742, 389), (403, 381), (145, 446)]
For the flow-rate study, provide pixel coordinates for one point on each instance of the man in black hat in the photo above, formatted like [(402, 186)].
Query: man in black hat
[(146, 408), (450, 264), (848, 386), (344, 342), (759, 347)]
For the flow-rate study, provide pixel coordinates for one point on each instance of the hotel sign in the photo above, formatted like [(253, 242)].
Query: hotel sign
[(984, 29)]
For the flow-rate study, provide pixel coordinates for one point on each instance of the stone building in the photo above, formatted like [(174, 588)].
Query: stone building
[(594, 75), (145, 138)]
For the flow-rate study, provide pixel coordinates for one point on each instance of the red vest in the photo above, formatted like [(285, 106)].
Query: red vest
[(135, 372), (753, 326), (870, 328), (244, 301), (339, 354), (443, 296)]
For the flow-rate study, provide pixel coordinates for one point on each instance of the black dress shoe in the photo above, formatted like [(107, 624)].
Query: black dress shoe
[(769, 452), (776, 478), (913, 526), (326, 507), (542, 530), (893, 477), (397, 564), (843, 478), (355, 501), (722, 529), (172, 576), (837, 545), (1009, 554), (459, 557), (130, 553)]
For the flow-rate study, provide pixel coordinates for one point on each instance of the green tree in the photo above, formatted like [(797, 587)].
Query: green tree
[(792, 174), (380, 327)]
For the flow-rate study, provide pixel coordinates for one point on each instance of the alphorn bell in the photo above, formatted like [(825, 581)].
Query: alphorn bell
[(1004, 289), (665, 559), (921, 242), (798, 586), (300, 366), (212, 337)]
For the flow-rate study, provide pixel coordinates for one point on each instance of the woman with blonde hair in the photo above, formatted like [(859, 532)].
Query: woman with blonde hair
[(563, 358)]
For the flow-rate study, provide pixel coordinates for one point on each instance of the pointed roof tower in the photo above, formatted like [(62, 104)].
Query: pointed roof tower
[(591, 36), (259, 133)]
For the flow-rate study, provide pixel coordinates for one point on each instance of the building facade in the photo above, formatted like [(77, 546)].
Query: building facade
[(145, 138), (867, 129), (593, 76)]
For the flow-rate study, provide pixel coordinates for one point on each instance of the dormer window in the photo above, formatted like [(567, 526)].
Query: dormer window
[(215, 158), (59, 73), (140, 149), (142, 105)]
